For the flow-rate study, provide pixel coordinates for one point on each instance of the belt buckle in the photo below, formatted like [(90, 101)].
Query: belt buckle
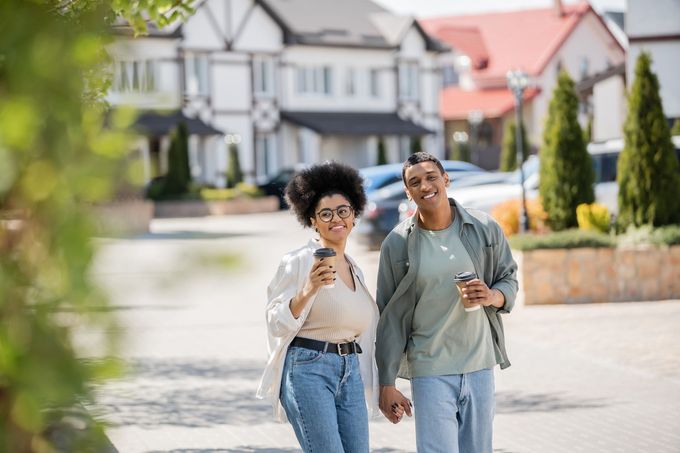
[(340, 349)]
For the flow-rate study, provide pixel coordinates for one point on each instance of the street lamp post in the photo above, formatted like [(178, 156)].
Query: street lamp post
[(475, 119), (517, 82)]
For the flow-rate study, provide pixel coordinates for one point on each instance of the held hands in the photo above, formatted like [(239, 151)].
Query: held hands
[(393, 403), (477, 293)]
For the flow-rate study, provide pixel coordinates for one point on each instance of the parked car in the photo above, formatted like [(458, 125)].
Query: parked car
[(382, 210), (379, 176), (277, 184), (605, 159)]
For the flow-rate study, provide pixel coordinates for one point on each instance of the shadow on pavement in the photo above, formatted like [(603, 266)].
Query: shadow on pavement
[(511, 403), (187, 393)]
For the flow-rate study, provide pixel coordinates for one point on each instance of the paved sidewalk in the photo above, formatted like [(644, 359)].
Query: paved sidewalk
[(586, 378)]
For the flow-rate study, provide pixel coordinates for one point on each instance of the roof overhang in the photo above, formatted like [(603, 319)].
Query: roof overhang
[(162, 123), (354, 123)]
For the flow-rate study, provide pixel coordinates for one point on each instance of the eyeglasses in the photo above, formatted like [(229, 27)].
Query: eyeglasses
[(326, 214)]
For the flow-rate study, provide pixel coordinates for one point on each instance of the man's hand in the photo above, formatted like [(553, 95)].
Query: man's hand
[(393, 403), (477, 293)]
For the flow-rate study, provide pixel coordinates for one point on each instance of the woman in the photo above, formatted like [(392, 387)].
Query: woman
[(321, 369)]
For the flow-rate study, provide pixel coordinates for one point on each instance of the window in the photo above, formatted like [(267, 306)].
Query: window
[(449, 76), (263, 76), (314, 80), (351, 82), (265, 149), (134, 76), (408, 81), (375, 83), (197, 74), (584, 68)]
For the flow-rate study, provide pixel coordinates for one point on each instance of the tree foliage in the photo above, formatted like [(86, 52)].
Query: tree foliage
[(648, 178), (509, 151), (566, 171), (56, 159)]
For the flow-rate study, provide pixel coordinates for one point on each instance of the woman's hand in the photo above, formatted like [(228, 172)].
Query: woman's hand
[(321, 274)]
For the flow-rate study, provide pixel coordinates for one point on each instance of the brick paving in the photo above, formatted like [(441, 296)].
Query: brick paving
[(585, 378)]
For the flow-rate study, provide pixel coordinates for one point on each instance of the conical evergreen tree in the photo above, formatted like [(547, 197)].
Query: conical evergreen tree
[(415, 144), (234, 173), (649, 183), (382, 152), (459, 150), (566, 170), (509, 151), (178, 178)]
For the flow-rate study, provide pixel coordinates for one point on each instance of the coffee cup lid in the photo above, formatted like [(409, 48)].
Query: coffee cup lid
[(324, 252), (464, 276)]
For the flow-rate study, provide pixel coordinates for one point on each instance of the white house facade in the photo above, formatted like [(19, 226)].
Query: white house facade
[(289, 81)]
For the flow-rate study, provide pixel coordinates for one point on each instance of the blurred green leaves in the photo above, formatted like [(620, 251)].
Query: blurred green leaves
[(59, 153)]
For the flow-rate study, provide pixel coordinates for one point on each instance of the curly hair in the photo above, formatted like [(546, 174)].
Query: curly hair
[(310, 185)]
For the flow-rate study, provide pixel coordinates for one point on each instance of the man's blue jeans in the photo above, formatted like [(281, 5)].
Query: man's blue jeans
[(454, 413), (323, 396)]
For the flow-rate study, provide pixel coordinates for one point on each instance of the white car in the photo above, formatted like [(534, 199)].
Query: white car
[(486, 197)]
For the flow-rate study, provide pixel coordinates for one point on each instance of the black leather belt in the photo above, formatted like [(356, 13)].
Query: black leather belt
[(341, 349)]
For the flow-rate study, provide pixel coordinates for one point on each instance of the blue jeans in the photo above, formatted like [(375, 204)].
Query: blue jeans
[(323, 396), (454, 413)]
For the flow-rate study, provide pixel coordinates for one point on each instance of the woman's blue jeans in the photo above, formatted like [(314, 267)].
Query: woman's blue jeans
[(323, 396), (454, 413)]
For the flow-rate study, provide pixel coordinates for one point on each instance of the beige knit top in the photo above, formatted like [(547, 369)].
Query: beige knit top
[(339, 314)]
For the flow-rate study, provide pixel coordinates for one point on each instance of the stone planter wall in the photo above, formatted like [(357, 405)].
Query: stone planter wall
[(165, 209), (598, 275)]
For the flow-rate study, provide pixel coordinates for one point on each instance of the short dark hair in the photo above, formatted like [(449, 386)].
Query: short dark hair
[(310, 185), (417, 158)]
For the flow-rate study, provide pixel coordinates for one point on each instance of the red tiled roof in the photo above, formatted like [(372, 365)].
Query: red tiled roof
[(469, 41), (456, 104), (525, 39)]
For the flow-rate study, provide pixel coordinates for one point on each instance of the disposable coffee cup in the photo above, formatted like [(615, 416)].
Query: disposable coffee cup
[(328, 256), (461, 279)]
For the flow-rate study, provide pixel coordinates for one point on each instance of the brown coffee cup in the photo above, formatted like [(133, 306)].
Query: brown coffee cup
[(461, 279), (328, 256)]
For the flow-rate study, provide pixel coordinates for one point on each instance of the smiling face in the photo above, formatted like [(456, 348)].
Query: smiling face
[(334, 229), (426, 185)]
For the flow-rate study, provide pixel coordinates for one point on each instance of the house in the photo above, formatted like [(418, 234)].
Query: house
[(475, 100), (657, 31), (287, 81)]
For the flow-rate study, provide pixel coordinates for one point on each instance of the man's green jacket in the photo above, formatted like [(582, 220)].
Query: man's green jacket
[(396, 292)]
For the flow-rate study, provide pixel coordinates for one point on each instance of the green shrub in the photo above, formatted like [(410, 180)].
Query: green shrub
[(646, 234), (566, 170), (249, 190), (648, 175), (567, 239), (593, 217), (208, 194)]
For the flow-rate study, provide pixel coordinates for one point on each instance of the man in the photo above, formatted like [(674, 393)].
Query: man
[(425, 333)]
